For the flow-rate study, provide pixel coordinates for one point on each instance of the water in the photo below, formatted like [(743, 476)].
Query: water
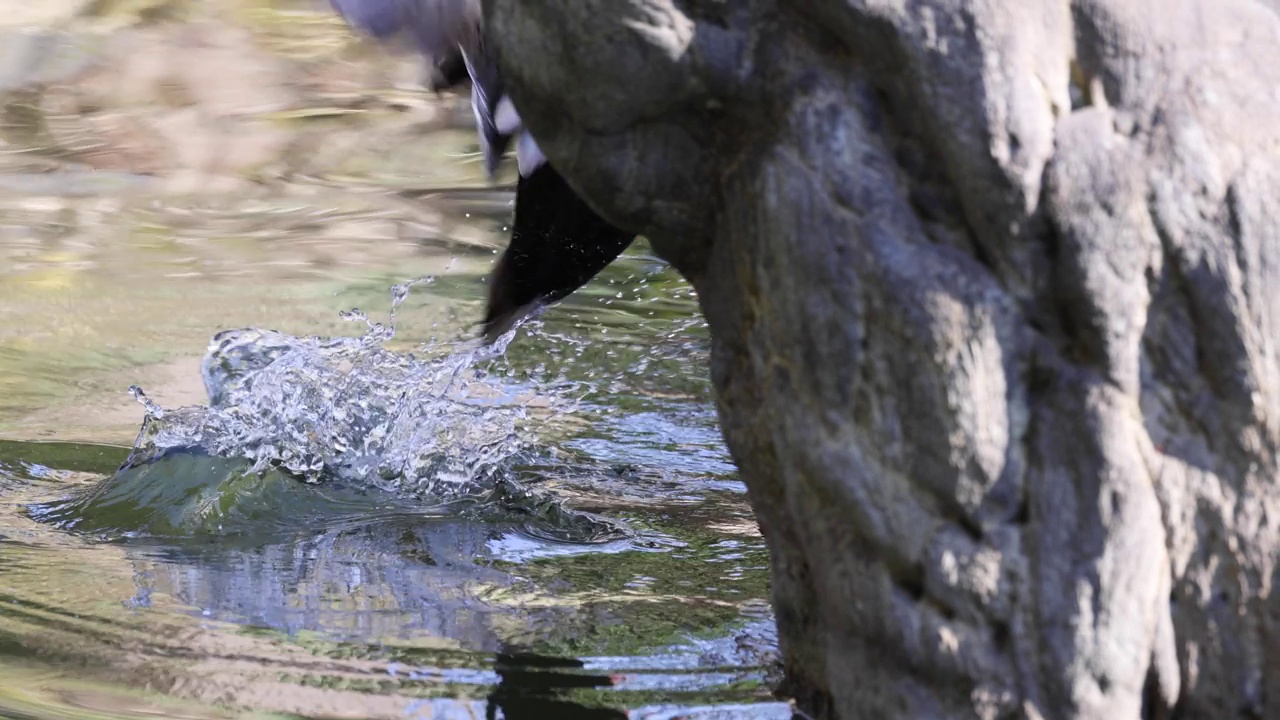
[(346, 408), (310, 511)]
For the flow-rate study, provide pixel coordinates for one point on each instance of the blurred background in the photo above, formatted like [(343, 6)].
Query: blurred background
[(168, 169)]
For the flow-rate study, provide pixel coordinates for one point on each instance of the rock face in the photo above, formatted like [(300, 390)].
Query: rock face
[(994, 289)]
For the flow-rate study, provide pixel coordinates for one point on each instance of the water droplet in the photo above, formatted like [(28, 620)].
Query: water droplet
[(353, 315), (152, 410)]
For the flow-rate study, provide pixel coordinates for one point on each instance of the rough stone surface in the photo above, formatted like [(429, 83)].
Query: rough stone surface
[(994, 289)]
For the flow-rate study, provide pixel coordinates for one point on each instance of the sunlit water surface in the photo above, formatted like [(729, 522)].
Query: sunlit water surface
[(343, 529), (323, 498)]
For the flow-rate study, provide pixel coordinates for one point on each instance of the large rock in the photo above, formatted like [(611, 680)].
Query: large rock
[(994, 289)]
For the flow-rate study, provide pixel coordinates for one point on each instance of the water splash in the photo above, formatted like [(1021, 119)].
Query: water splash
[(350, 409)]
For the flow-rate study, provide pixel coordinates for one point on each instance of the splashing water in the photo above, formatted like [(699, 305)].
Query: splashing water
[(348, 408)]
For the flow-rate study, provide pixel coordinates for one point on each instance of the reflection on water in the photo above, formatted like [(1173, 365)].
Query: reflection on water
[(169, 171), (383, 596)]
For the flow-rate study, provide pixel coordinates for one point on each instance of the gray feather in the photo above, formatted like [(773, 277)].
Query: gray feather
[(436, 26)]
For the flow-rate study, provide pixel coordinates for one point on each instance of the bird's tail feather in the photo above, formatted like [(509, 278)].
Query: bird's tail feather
[(558, 243)]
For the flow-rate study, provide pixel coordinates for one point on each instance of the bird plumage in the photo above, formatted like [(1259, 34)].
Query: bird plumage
[(558, 242), (435, 26)]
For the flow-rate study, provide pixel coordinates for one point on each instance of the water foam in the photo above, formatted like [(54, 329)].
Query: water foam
[(349, 408)]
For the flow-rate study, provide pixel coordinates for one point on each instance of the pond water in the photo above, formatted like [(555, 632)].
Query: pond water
[(325, 513)]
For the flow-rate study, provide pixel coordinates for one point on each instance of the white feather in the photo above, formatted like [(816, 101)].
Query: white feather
[(529, 156), (505, 117)]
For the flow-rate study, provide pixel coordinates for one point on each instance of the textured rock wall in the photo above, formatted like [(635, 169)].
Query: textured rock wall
[(994, 289)]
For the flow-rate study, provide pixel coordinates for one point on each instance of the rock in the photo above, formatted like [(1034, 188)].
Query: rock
[(994, 291)]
